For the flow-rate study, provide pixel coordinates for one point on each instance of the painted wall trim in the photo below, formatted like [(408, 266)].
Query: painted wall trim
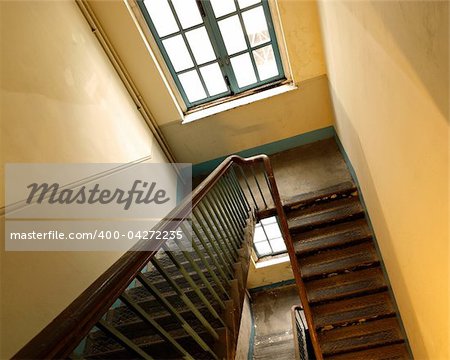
[(272, 286), (206, 167)]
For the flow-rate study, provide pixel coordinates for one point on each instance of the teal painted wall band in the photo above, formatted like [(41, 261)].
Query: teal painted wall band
[(206, 167), (272, 286)]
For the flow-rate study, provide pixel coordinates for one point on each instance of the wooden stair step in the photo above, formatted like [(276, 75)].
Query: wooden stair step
[(161, 284), (338, 260), (132, 325), (332, 236), (313, 196), (389, 352), (329, 212), (352, 310), (345, 285), (154, 307), (171, 269), (153, 345), (359, 337)]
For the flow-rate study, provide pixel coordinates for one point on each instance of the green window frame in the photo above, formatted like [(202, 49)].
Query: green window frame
[(267, 238), (222, 69)]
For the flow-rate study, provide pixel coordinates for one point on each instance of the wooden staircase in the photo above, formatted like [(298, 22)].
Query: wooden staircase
[(165, 324), (353, 311), (169, 302)]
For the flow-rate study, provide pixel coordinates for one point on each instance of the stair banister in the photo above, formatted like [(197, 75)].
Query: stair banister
[(59, 338)]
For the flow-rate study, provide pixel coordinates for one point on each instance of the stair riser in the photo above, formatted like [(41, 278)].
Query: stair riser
[(348, 285), (157, 350), (136, 327)]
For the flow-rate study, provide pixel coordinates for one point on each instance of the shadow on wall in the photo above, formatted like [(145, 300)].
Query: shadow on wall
[(429, 43), (387, 249)]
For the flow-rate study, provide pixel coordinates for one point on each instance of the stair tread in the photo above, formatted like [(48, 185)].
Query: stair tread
[(332, 236), (338, 260), (389, 352), (310, 197), (317, 215), (126, 320), (344, 285), (124, 316), (109, 348), (359, 337), (353, 310)]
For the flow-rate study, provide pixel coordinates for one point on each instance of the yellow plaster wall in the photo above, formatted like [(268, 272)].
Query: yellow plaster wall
[(61, 101), (388, 69), (258, 123), (271, 274)]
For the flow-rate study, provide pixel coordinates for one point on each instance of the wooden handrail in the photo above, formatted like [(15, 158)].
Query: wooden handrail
[(292, 256), (59, 338)]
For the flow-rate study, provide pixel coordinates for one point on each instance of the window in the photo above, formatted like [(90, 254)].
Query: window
[(267, 239), (217, 48)]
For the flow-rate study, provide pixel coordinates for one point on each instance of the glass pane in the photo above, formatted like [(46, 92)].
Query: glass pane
[(162, 17), (278, 245), (200, 45), (213, 79), (263, 248), (256, 26), (245, 3), (222, 7), (178, 53), (187, 12), (265, 62), (259, 234), (192, 85), (232, 34), (272, 231), (269, 220), (243, 70)]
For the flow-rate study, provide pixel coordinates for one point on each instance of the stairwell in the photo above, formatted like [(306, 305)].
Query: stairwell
[(186, 303)]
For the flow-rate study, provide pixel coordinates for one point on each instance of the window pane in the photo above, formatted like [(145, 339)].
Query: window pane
[(192, 85), (187, 12), (178, 53), (232, 35), (213, 79), (222, 7), (259, 234), (200, 45), (263, 248), (245, 3), (269, 220), (162, 17), (265, 62), (272, 231), (256, 26), (278, 245), (243, 70)]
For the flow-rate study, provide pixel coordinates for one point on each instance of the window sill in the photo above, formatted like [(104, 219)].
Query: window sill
[(203, 113), (261, 263)]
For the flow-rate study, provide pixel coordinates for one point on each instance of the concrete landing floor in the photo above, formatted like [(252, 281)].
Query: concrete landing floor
[(309, 167), (273, 326), (303, 169)]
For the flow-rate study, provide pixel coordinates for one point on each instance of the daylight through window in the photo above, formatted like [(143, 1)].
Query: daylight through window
[(267, 239), (215, 48)]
